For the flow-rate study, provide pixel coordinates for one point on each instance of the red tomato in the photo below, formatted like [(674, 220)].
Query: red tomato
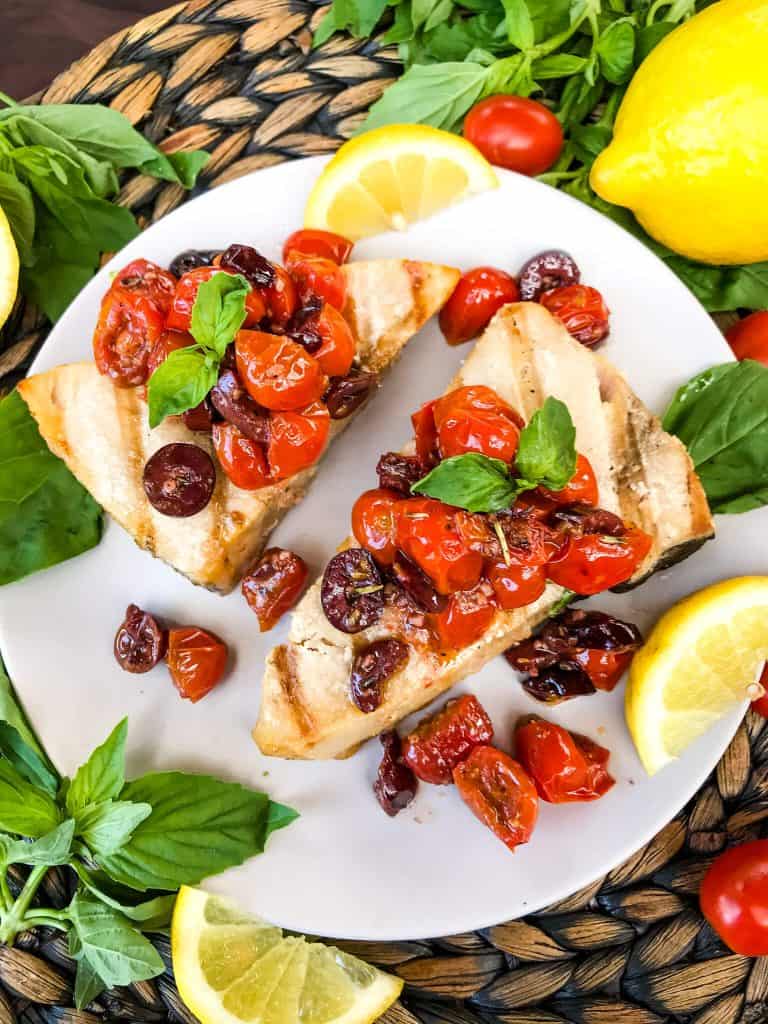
[(427, 534), (761, 704), (564, 766), (281, 297), (500, 793), (466, 618), (273, 585), (749, 337), (475, 299), (314, 275), (581, 310), (593, 563), (514, 132), (425, 433), (313, 242), (441, 741), (142, 277), (734, 898), (604, 668), (297, 439), (374, 523), (516, 585), (168, 342), (475, 419), (242, 459), (280, 375), (337, 351), (128, 327), (196, 660), (582, 488), (180, 313)]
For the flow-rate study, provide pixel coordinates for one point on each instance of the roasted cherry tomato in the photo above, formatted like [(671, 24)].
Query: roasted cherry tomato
[(168, 342), (274, 584), (426, 533), (500, 793), (196, 660), (466, 617), (593, 563), (441, 741), (581, 490), (179, 315), (514, 132), (313, 242), (297, 439), (475, 299), (604, 668), (761, 704), (317, 276), (242, 459), (515, 585), (142, 277), (279, 374), (337, 351), (425, 433), (281, 297), (734, 897), (475, 419), (564, 766), (127, 330), (749, 337), (581, 310), (374, 523)]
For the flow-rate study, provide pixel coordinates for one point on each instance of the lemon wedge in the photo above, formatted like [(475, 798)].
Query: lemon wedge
[(392, 176), (232, 967), (701, 661), (9, 269)]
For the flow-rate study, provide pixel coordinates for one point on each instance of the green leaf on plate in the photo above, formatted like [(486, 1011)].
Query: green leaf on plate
[(279, 816), (547, 451), (472, 481), (218, 311), (102, 777), (181, 382)]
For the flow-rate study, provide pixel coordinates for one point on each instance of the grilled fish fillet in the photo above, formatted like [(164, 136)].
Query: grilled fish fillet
[(644, 475), (103, 435)]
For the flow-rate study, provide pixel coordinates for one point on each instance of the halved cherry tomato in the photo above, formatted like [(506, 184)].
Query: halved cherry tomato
[(314, 242), (475, 419), (761, 704), (242, 459), (179, 315), (427, 534), (604, 668), (142, 277), (337, 352), (168, 342), (479, 294), (514, 132), (128, 327), (280, 375), (466, 617), (581, 310), (374, 523), (734, 897), (297, 439), (565, 767), (281, 297), (749, 337), (516, 585), (593, 563), (441, 741), (317, 276), (582, 488), (500, 793), (425, 433), (196, 660)]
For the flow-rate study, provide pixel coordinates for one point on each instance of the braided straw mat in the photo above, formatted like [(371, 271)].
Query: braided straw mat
[(238, 78)]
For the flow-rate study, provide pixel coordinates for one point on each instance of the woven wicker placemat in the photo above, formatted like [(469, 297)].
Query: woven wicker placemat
[(239, 78)]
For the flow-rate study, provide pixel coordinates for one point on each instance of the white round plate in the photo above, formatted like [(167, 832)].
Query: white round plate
[(344, 869)]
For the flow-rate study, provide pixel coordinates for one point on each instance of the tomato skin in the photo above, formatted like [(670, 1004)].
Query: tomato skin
[(593, 563), (169, 341), (374, 523), (466, 617), (479, 294), (475, 419), (500, 793), (427, 534), (314, 242), (734, 897), (281, 297), (441, 741), (581, 489), (297, 439), (196, 660), (314, 275), (514, 132), (242, 459), (761, 704), (749, 337), (604, 668), (179, 317), (425, 433), (280, 374), (565, 768), (581, 310), (142, 277), (516, 585), (337, 352), (127, 330)]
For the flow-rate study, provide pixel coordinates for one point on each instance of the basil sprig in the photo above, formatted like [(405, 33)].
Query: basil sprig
[(184, 379), (546, 456)]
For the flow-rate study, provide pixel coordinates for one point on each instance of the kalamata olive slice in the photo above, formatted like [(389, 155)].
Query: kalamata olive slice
[(303, 328), (551, 269), (345, 395), (230, 400), (372, 667), (140, 642), (597, 631), (395, 785), (245, 260), (580, 519), (399, 472), (191, 259), (179, 479), (199, 419), (416, 584), (352, 593), (559, 682)]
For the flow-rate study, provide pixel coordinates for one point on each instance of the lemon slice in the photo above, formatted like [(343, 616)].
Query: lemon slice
[(9, 269), (392, 176), (231, 967), (701, 661)]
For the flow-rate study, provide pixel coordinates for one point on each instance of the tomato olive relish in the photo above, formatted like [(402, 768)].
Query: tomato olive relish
[(256, 354)]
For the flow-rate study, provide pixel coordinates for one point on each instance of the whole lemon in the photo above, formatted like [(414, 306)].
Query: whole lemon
[(689, 154)]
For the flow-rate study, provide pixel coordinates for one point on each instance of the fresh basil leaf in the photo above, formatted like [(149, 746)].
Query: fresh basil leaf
[(218, 311), (456, 41), (649, 37), (589, 140), (436, 94), (558, 65), (107, 826), (148, 914), (550, 17), (102, 777), (25, 810), (279, 816), (19, 744), (519, 24), (180, 382), (471, 481), (18, 206), (88, 984), (616, 50), (510, 74), (186, 166), (547, 451), (115, 950), (52, 286), (326, 29), (48, 851), (562, 603), (359, 17)]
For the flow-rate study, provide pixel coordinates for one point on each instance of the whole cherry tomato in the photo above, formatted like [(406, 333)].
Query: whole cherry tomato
[(516, 585), (604, 668), (734, 897), (168, 342), (593, 563), (273, 585), (196, 660), (314, 275), (475, 419), (279, 374), (281, 297), (479, 294), (514, 132), (128, 327), (466, 617), (425, 433), (581, 310), (582, 489), (749, 337), (142, 277), (242, 459), (564, 766), (179, 316), (427, 534), (374, 523), (313, 242), (761, 704), (441, 741), (297, 439), (337, 352), (500, 793)]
